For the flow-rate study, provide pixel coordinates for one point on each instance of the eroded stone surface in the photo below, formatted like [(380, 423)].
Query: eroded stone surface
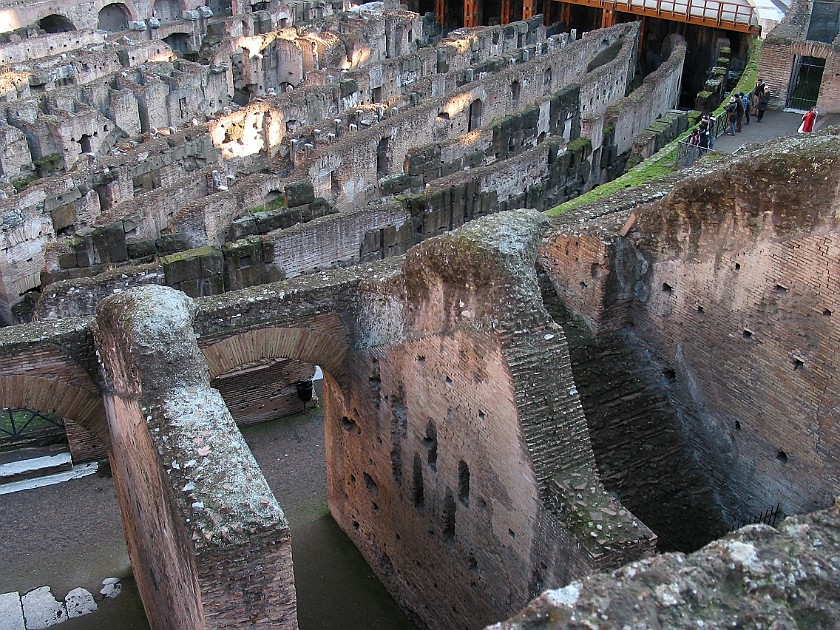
[(79, 602), (11, 612), (757, 577)]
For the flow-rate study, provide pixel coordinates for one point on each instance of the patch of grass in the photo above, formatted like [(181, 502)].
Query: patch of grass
[(663, 162)]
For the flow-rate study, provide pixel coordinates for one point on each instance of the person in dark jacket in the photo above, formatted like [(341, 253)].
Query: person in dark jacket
[(763, 101), (739, 111), (746, 101), (731, 114)]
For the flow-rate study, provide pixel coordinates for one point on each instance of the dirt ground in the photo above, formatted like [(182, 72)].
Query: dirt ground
[(69, 535)]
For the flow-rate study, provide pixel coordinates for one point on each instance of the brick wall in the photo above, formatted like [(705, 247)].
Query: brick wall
[(728, 285), (265, 393)]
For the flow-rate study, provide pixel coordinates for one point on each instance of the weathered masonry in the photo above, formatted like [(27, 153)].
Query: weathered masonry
[(460, 459), (456, 443), (130, 171)]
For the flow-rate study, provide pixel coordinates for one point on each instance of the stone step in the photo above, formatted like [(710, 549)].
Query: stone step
[(37, 466)]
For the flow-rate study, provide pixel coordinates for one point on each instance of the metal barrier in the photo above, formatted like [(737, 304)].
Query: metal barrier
[(720, 13), (22, 426), (771, 516), (688, 154)]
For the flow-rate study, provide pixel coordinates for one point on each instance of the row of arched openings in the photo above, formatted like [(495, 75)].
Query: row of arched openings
[(115, 17)]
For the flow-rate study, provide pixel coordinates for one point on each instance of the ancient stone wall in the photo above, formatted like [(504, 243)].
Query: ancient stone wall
[(791, 576), (418, 443), (189, 536), (744, 262), (349, 170), (82, 15), (658, 93)]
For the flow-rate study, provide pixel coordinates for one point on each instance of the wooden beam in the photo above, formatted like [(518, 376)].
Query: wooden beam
[(505, 11), (711, 13)]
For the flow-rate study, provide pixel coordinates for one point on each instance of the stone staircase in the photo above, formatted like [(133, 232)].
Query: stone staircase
[(32, 467)]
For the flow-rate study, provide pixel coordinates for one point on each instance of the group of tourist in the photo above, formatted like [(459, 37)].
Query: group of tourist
[(742, 106), (739, 110)]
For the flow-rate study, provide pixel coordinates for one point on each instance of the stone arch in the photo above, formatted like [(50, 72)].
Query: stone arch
[(256, 346), (56, 23), (113, 17), (168, 10), (178, 42), (22, 391)]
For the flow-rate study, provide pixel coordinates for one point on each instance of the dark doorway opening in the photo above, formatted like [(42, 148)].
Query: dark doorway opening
[(56, 24), (805, 82)]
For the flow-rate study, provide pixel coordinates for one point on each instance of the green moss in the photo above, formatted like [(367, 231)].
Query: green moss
[(22, 182), (188, 254), (657, 167), (278, 203), (579, 144)]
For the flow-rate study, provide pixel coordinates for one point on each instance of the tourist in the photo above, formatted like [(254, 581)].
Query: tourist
[(704, 137), (746, 101), (694, 138), (763, 101), (808, 119), (731, 114), (739, 111), (759, 87), (712, 126), (752, 99)]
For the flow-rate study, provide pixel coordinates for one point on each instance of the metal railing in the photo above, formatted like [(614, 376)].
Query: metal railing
[(771, 516), (24, 425), (709, 12)]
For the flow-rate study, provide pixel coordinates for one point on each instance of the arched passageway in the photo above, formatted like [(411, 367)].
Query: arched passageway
[(56, 23), (178, 42), (113, 18)]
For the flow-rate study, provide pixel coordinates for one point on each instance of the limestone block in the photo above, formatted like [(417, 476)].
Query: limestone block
[(299, 193), (242, 227), (79, 602), (141, 249), (41, 609), (11, 612)]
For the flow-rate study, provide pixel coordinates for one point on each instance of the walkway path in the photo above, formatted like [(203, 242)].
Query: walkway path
[(775, 124)]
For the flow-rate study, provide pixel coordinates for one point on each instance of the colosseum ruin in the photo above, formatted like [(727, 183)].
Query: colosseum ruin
[(201, 201)]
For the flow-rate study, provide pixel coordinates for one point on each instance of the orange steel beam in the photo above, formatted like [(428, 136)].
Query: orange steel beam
[(528, 9), (608, 18), (470, 13), (505, 11), (440, 11), (713, 13)]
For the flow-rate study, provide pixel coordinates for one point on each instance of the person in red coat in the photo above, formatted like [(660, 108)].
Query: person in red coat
[(808, 120)]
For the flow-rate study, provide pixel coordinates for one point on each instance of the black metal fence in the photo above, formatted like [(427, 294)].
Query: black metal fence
[(771, 516), (20, 427), (688, 154), (805, 83)]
